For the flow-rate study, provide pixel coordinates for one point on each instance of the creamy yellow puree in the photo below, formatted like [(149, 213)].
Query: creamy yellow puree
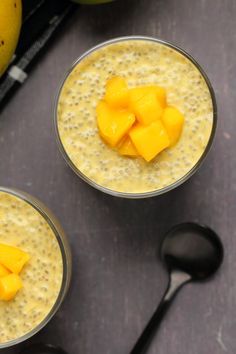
[(22, 226), (140, 62)]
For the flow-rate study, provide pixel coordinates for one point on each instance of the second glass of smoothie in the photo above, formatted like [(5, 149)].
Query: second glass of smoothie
[(27, 226)]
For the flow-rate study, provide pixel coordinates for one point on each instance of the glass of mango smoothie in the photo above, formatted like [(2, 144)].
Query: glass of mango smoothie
[(139, 63), (35, 266)]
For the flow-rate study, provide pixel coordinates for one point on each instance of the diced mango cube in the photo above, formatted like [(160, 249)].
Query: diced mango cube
[(160, 94), (147, 109), (173, 121), (137, 93), (127, 148), (9, 286), (149, 140), (13, 258), (117, 93), (113, 124), (3, 271)]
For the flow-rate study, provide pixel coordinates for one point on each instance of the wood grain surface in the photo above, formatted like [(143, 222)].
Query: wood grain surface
[(117, 278)]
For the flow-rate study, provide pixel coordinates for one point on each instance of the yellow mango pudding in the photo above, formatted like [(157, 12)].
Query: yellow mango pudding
[(135, 117), (35, 266)]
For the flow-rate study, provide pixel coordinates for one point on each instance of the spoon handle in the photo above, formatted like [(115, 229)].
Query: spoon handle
[(177, 280)]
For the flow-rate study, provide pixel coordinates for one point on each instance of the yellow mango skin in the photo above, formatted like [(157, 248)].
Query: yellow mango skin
[(10, 25), (113, 124), (149, 140), (127, 148), (117, 93), (3, 271), (9, 286), (173, 121), (13, 258), (147, 109)]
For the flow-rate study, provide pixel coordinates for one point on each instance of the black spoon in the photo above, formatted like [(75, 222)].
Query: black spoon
[(191, 252)]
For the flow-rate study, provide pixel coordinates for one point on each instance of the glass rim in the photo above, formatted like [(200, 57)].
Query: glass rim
[(155, 192), (51, 220)]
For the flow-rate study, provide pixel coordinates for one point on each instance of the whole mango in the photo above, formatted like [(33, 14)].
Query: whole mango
[(10, 25)]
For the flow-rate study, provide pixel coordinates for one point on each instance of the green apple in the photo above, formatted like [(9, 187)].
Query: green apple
[(92, 2)]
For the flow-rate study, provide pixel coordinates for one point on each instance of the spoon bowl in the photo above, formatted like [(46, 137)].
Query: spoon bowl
[(194, 249)]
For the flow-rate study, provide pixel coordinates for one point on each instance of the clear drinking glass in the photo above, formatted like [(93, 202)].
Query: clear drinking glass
[(66, 259), (153, 192)]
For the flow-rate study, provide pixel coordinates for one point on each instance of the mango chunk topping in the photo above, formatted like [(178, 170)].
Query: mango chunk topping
[(137, 93), (13, 258), (137, 121), (113, 124), (160, 93), (117, 93), (9, 286), (149, 140), (127, 148), (147, 109), (3, 271), (173, 122)]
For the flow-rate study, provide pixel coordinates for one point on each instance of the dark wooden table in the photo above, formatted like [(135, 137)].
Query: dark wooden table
[(117, 280)]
